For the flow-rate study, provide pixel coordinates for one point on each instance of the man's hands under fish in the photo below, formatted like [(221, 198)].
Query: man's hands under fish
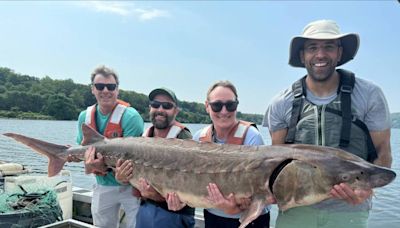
[(174, 203), (344, 192), (123, 171), (172, 199), (147, 191), (93, 164), (229, 204)]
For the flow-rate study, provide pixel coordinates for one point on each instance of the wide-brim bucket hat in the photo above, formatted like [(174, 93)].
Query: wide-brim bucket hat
[(324, 30)]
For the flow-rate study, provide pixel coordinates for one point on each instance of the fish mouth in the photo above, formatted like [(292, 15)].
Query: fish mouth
[(276, 172)]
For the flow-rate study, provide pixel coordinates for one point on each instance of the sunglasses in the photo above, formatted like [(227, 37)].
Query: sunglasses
[(164, 105), (101, 86), (230, 106)]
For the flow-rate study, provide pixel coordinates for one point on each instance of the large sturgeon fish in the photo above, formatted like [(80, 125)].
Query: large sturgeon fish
[(295, 175)]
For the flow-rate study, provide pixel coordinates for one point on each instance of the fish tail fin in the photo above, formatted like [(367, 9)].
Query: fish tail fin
[(255, 209), (55, 153)]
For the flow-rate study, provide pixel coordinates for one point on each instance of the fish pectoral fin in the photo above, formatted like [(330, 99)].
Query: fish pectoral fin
[(255, 209)]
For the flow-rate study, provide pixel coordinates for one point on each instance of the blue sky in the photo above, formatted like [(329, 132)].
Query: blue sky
[(186, 46)]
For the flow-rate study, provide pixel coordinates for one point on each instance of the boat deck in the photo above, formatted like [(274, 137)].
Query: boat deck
[(82, 199)]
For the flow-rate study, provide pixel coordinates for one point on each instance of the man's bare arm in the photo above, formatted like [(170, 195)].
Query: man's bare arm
[(279, 136), (381, 140)]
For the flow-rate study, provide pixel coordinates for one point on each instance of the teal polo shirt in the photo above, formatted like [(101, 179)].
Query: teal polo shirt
[(132, 125)]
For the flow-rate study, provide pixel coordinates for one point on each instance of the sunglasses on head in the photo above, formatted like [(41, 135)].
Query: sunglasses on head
[(101, 86), (230, 106), (164, 105)]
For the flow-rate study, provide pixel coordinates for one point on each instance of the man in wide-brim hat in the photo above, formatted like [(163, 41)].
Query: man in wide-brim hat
[(331, 107), (324, 30)]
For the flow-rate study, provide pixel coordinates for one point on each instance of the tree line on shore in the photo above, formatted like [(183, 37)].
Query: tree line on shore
[(28, 97)]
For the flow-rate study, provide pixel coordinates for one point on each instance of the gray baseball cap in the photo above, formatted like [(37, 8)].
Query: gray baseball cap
[(163, 91)]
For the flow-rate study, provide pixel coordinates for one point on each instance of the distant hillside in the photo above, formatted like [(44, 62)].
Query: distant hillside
[(27, 97), (395, 119)]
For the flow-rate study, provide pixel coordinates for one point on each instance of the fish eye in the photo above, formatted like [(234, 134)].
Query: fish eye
[(345, 177)]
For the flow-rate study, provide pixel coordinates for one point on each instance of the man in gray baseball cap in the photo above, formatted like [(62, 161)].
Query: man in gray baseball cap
[(164, 91), (331, 107), (155, 210)]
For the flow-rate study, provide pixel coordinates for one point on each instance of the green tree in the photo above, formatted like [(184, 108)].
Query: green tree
[(64, 86), (138, 101), (77, 98), (2, 89), (25, 101), (2, 102), (61, 107), (4, 74)]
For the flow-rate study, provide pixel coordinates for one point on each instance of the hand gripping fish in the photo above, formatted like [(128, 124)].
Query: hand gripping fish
[(296, 175)]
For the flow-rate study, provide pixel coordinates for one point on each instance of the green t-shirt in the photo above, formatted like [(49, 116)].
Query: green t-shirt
[(132, 125)]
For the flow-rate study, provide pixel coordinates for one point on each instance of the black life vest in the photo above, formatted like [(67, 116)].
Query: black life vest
[(347, 137)]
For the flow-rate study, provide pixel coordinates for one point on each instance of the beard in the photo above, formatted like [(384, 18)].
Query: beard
[(320, 76), (161, 124)]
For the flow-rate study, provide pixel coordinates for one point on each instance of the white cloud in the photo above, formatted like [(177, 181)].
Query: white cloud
[(110, 7), (146, 15), (125, 9)]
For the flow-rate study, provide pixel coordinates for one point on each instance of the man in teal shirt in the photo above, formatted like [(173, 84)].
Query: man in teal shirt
[(112, 118)]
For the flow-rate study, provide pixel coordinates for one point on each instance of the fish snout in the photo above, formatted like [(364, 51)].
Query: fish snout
[(382, 177)]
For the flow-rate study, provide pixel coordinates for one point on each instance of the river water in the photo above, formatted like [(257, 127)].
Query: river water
[(386, 203)]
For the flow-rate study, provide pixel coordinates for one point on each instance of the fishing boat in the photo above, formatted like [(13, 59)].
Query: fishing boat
[(74, 202), (82, 199), (32, 200)]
